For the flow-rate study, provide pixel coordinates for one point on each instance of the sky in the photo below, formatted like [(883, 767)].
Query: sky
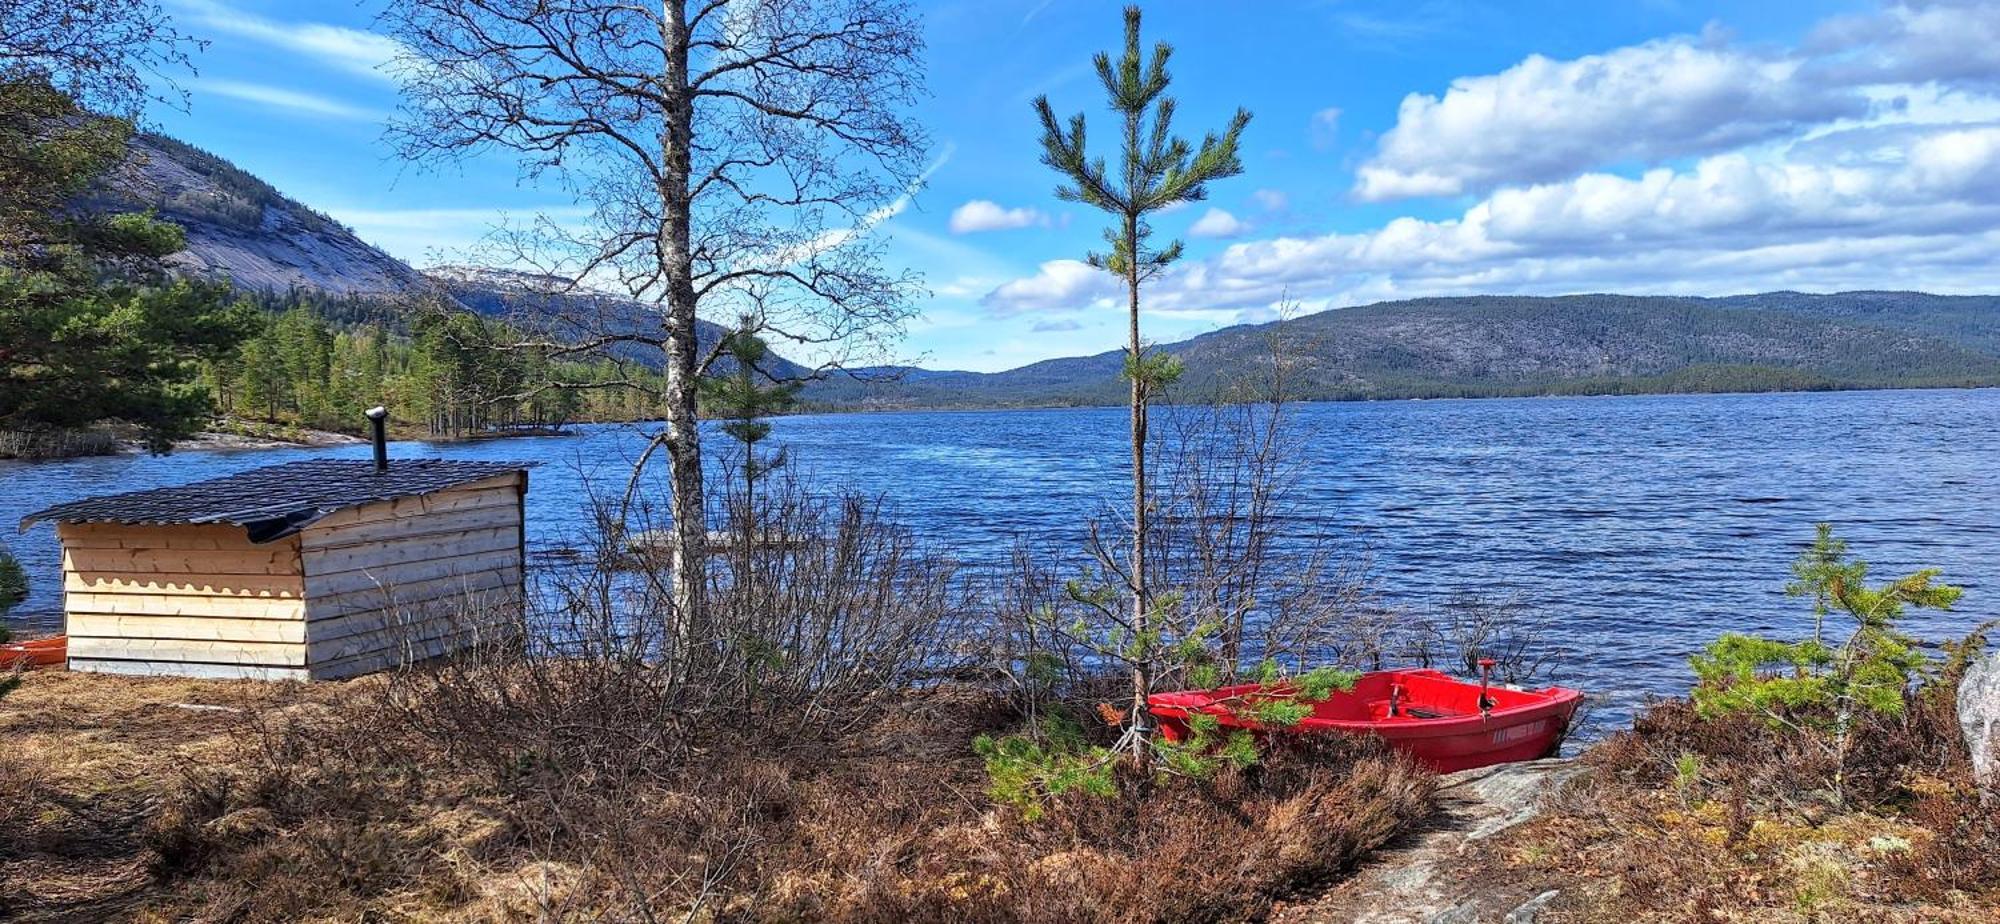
[(1396, 150)]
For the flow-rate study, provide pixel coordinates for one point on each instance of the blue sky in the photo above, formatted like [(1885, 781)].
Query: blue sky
[(1397, 150)]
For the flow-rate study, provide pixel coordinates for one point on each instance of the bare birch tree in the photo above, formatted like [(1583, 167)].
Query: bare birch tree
[(111, 56), (732, 154)]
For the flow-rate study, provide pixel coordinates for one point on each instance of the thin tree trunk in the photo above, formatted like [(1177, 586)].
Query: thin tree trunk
[(685, 554), (1142, 667)]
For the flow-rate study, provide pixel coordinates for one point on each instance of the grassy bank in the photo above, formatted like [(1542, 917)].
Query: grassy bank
[(156, 799), (162, 799)]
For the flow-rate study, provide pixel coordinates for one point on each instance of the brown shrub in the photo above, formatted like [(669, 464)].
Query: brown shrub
[(1690, 818), (335, 814), (1161, 850)]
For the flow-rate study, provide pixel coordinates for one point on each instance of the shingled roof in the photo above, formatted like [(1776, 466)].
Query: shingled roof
[(277, 500)]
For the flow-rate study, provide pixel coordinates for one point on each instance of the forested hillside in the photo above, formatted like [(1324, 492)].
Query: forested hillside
[(1508, 345), (316, 361)]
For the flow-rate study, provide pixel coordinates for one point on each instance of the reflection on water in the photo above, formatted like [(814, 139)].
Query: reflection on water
[(1643, 526)]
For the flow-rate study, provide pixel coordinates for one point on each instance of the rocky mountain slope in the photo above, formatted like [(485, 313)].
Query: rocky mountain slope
[(241, 229)]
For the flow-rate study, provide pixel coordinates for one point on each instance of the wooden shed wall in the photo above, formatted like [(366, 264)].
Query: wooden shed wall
[(410, 578), (190, 600)]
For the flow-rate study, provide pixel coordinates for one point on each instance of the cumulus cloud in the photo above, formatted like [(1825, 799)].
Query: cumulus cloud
[(1952, 41), (984, 215), (1544, 119), (1926, 216), (1217, 223), (1058, 285), (1866, 158), (1271, 200)]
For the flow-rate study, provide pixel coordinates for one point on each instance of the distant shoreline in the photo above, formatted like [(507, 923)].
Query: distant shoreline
[(1544, 395)]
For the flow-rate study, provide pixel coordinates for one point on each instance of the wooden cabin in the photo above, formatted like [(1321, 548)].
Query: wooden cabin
[(305, 571)]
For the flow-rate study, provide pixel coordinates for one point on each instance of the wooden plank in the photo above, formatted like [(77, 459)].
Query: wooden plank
[(384, 554), (193, 537), (261, 586), (447, 590), (268, 654), (500, 489), (171, 627), (223, 607), (376, 629), (476, 608), (415, 632), (447, 522), (345, 582), (185, 669), (273, 559), (375, 661)]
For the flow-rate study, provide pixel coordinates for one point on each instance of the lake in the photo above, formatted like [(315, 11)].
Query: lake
[(1641, 526)]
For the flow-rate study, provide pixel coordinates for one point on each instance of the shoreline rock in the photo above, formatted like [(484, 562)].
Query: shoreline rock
[(223, 442), (1979, 719), (1446, 872)]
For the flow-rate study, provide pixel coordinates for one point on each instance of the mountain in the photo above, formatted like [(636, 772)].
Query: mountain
[(1519, 345), (546, 303), (242, 229)]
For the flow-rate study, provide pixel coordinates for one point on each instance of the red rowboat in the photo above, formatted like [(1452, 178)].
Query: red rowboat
[(40, 652), (1432, 716)]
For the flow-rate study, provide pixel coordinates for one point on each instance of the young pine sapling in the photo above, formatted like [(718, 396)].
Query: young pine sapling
[(1156, 171), (1811, 686)]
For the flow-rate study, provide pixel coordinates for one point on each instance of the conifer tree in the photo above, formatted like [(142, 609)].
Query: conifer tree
[(1156, 170), (13, 589), (741, 402)]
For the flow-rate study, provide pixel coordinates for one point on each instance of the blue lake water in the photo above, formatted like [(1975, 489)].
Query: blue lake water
[(1641, 526)]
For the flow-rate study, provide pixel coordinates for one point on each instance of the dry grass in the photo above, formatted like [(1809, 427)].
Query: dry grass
[(317, 803)]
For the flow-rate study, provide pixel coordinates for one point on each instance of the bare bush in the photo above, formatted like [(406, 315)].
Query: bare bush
[(1465, 629), (805, 637), (1238, 547)]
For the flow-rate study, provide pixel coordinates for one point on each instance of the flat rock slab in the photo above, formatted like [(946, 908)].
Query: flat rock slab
[(1448, 871)]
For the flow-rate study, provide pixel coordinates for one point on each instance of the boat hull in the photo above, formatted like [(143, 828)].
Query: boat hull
[(41, 652), (1427, 714)]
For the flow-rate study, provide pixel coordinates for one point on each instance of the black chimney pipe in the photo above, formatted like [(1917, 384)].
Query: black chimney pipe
[(378, 417)]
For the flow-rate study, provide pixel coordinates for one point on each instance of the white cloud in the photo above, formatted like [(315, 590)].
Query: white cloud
[(1059, 285), (1654, 103), (984, 215), (294, 101), (354, 50), (1271, 200), (1217, 223), (1926, 216), (1544, 119), (1953, 41)]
